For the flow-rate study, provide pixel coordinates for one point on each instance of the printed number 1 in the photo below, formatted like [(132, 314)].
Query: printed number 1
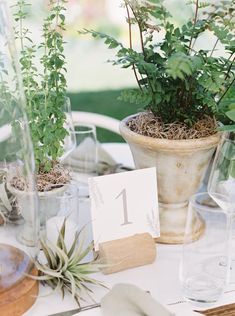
[(124, 200)]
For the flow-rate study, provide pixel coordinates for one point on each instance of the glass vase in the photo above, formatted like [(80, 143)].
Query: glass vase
[(18, 198)]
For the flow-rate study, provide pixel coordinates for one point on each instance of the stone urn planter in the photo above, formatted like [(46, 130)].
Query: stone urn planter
[(48, 207), (181, 166)]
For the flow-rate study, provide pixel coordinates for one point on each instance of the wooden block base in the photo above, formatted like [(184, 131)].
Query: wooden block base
[(18, 291), (126, 253)]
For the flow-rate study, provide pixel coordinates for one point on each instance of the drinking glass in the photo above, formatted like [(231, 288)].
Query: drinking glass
[(65, 208), (70, 139), (221, 186), (83, 164), (222, 177), (202, 274), (83, 159)]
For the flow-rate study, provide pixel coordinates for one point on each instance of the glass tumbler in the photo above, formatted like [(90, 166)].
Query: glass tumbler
[(221, 188), (204, 264), (83, 164), (83, 159), (60, 207), (69, 140)]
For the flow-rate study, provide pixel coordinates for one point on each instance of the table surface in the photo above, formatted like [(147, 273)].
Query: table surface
[(160, 278)]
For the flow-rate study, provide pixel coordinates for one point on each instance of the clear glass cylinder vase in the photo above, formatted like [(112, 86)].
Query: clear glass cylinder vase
[(18, 198)]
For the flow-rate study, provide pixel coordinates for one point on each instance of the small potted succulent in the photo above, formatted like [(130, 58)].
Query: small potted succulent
[(46, 105), (184, 88)]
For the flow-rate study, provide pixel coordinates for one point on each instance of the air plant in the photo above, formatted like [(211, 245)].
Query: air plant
[(63, 269), (8, 209)]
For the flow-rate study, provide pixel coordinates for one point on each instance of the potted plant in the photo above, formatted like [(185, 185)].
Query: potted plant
[(183, 88), (46, 105)]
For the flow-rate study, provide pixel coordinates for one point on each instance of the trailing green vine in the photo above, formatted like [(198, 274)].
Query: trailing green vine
[(45, 91)]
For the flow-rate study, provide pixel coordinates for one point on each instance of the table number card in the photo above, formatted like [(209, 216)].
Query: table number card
[(124, 204)]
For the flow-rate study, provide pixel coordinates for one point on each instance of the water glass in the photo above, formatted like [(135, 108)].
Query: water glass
[(221, 185), (69, 141), (221, 188), (204, 265), (83, 159), (62, 205)]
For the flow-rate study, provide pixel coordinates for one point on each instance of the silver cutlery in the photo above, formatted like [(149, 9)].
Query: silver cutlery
[(96, 305), (76, 310)]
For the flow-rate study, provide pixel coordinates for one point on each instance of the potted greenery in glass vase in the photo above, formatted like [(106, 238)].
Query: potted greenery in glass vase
[(46, 106), (183, 88)]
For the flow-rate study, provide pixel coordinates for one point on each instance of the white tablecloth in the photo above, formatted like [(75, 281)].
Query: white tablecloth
[(160, 278)]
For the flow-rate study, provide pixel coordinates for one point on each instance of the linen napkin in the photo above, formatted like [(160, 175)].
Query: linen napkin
[(105, 165), (129, 300)]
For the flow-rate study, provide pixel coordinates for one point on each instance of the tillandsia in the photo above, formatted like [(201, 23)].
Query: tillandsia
[(63, 269), (45, 90), (179, 80)]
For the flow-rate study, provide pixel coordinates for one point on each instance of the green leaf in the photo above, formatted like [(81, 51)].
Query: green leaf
[(179, 65), (136, 96), (231, 169), (231, 114)]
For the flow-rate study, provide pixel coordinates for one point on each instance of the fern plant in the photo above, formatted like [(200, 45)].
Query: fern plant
[(45, 89), (177, 81)]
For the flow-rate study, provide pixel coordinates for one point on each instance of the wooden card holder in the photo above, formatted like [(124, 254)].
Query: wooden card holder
[(125, 253)]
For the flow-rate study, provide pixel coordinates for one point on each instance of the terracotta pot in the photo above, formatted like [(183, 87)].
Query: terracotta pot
[(181, 166)]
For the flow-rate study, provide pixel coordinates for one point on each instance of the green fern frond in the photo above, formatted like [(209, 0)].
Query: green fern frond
[(179, 66), (201, 4), (108, 40), (136, 96)]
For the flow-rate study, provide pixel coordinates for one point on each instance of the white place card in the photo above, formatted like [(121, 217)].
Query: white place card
[(124, 204)]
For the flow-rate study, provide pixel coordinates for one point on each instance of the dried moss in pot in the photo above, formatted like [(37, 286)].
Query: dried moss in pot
[(147, 124)]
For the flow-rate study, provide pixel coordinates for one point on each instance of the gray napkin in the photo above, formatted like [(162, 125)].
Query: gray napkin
[(129, 300), (105, 165)]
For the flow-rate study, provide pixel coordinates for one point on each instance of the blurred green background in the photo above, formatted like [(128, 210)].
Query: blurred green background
[(103, 102)]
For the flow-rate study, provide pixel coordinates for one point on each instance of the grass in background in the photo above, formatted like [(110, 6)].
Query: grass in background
[(103, 102)]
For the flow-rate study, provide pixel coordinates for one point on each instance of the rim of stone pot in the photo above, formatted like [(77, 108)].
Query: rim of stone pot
[(41, 194), (167, 144)]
